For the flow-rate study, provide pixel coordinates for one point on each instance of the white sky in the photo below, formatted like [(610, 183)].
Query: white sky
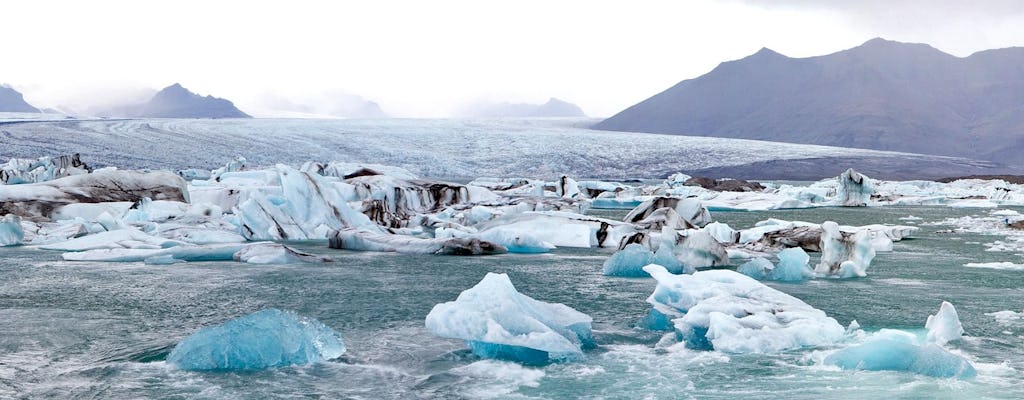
[(428, 58)]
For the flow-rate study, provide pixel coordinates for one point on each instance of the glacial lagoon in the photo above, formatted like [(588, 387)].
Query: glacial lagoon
[(86, 329)]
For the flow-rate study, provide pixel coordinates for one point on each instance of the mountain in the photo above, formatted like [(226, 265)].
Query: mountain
[(325, 104), (881, 95), (552, 108), (12, 101), (177, 102)]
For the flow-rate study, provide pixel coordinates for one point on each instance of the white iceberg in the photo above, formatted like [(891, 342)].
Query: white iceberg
[(727, 311), (844, 255), (496, 321), (944, 326)]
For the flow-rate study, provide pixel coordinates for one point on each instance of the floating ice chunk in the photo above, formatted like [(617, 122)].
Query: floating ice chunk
[(1006, 316), (944, 326), (677, 179), (496, 321), (165, 259), (690, 209), (274, 253), (892, 350), (1009, 266), (39, 200), (722, 233), (306, 207), (265, 339), (562, 229), (758, 268), (793, 266), (726, 311), (183, 252), (854, 190), (698, 249), (19, 171), (666, 257), (117, 239), (370, 241), (90, 211), (568, 188), (516, 242), (910, 218), (844, 255), (11, 232), (629, 261)]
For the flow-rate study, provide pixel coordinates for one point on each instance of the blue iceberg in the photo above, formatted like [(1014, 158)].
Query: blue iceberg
[(496, 321), (892, 350), (264, 339), (629, 261), (793, 267)]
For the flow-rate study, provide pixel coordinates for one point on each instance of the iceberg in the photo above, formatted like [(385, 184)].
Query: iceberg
[(944, 326), (893, 350), (253, 253), (305, 206), (39, 200), (274, 253), (690, 209), (793, 267), (727, 311), (698, 249), (844, 255), (559, 228), (855, 190), (384, 242), (497, 321), (116, 239), (629, 261), (758, 268), (11, 232), (20, 171), (265, 339)]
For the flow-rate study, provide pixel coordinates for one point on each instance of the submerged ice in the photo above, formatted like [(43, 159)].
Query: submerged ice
[(264, 339), (496, 321)]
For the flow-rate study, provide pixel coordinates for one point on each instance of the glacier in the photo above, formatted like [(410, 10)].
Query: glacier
[(268, 338), (496, 321)]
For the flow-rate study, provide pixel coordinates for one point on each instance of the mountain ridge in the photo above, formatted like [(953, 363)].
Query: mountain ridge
[(882, 95)]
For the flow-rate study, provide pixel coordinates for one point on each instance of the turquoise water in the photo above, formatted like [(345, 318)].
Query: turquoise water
[(97, 330)]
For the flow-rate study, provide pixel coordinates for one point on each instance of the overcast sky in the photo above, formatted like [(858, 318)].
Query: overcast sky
[(429, 58)]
